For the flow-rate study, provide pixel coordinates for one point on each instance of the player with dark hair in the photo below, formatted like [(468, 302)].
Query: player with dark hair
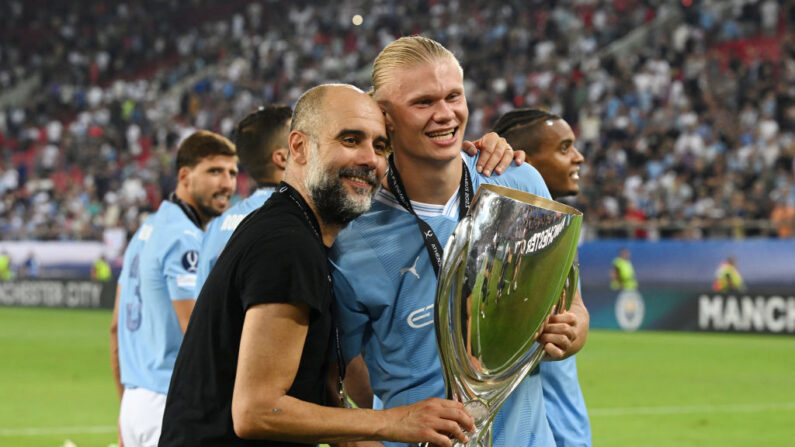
[(549, 143), (261, 142), (385, 262), (155, 293), (252, 369)]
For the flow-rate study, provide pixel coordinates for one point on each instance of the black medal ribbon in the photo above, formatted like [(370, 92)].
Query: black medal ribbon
[(432, 244), (286, 189)]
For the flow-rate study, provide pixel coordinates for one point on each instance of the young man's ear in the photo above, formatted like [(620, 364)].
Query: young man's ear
[(182, 175), (279, 157), (390, 125), (299, 146), (385, 106)]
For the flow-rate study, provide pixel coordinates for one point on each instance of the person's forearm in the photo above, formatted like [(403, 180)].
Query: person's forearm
[(293, 420), (114, 345), (183, 309), (114, 364), (289, 419)]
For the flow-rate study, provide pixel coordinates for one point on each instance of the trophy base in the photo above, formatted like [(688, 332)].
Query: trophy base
[(481, 439)]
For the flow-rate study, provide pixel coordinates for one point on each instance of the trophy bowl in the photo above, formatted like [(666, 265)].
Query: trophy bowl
[(508, 266)]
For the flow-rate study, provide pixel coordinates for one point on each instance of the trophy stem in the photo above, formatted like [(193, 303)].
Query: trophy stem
[(481, 438)]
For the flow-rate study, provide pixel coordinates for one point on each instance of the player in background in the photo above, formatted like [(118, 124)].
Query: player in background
[(549, 143), (261, 144), (155, 293)]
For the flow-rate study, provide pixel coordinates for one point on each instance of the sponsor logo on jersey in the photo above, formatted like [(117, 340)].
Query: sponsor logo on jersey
[(190, 260), (186, 281), (747, 313), (421, 317)]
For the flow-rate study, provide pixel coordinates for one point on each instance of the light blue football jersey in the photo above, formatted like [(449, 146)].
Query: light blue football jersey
[(159, 266), (564, 403), (220, 230), (385, 288)]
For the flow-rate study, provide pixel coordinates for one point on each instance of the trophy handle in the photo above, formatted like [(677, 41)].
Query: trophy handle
[(455, 251), (569, 288)]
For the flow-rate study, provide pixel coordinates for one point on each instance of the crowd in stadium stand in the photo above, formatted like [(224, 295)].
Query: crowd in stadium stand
[(688, 135)]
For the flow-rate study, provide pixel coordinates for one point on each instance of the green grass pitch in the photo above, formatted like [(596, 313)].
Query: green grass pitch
[(642, 389)]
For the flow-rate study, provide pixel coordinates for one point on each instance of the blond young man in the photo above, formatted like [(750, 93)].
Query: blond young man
[(385, 262)]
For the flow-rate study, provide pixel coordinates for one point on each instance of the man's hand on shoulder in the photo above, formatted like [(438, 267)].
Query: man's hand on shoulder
[(495, 154)]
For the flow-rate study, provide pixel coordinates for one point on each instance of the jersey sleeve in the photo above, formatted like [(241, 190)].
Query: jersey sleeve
[(287, 267), (524, 178), (358, 277), (180, 264)]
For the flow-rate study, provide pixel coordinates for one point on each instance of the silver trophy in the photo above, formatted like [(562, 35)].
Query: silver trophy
[(508, 266)]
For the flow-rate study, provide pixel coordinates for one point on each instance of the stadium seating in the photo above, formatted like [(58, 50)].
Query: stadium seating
[(685, 114)]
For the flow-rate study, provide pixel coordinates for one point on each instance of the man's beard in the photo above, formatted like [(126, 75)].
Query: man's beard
[(334, 204), (208, 211), (205, 207)]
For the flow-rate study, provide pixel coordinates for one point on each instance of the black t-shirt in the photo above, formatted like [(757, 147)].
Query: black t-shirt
[(274, 255)]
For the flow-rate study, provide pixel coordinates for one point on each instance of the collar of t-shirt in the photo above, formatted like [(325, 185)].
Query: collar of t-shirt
[(265, 189), (449, 209), (189, 211)]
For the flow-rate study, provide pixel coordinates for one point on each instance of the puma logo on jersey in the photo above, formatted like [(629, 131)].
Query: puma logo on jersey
[(421, 317), (232, 221), (412, 269)]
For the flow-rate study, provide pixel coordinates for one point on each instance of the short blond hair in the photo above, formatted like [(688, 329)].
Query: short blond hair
[(405, 52)]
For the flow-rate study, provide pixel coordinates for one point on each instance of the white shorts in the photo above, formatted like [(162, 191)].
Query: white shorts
[(141, 417)]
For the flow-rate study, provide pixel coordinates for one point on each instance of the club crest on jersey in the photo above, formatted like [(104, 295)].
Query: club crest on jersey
[(190, 260)]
